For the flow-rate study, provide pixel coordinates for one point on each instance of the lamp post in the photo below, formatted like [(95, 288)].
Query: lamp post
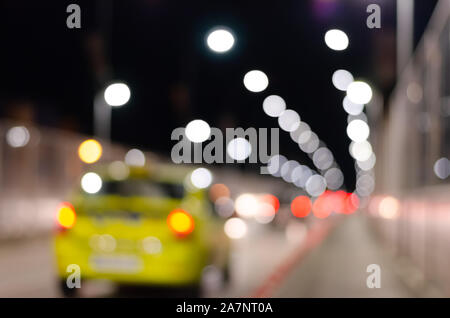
[(115, 95)]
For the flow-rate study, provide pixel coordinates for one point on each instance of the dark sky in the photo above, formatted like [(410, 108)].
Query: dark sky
[(158, 48)]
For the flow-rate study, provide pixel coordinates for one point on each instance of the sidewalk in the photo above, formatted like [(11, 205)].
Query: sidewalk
[(337, 268)]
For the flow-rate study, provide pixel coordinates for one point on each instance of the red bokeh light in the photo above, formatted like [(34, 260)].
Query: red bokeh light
[(323, 205), (301, 206), (272, 200), (351, 203), (339, 200)]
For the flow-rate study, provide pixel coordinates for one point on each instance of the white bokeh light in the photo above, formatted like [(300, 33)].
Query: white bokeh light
[(323, 158), (336, 40), (341, 79), (361, 151), (117, 94), (359, 92), (201, 178), (224, 207), (274, 165), (198, 131), (441, 168), (239, 148), (298, 135), (135, 157), (274, 105), (287, 170), (334, 178), (256, 81), (315, 185), (220, 40), (311, 144), (246, 205), (235, 228), (358, 130), (368, 164), (301, 175), (365, 184), (91, 182), (265, 213), (352, 108), (289, 120), (17, 136)]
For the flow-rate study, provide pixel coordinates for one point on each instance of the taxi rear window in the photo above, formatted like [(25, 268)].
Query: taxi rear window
[(143, 188)]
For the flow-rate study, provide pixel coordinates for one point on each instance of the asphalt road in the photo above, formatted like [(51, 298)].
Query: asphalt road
[(335, 267)]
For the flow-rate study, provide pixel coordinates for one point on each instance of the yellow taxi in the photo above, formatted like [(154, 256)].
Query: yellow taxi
[(133, 226)]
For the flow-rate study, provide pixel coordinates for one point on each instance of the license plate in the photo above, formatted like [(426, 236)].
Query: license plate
[(116, 263)]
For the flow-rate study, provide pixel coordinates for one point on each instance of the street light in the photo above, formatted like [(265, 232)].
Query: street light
[(115, 95), (336, 40), (256, 81), (220, 40)]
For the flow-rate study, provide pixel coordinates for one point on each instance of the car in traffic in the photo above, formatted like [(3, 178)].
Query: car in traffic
[(139, 226)]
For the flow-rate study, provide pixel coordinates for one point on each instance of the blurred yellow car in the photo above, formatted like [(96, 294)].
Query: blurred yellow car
[(147, 229)]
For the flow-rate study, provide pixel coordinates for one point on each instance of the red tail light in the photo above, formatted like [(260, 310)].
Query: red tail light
[(66, 216), (180, 222)]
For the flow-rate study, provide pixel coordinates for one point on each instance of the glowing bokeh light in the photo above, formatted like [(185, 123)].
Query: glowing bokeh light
[(135, 157), (17, 136), (302, 133), (441, 168), (274, 105), (322, 206), (352, 108), (287, 170), (239, 148), (358, 130), (90, 151), (66, 215), (256, 81), (334, 178), (91, 182), (117, 94), (341, 79), (198, 131), (224, 207), (301, 175), (201, 178), (274, 165), (272, 200), (246, 205), (289, 120), (388, 207), (265, 213), (368, 164), (323, 158), (312, 144), (301, 206), (359, 92), (336, 40), (235, 228), (220, 40), (180, 222), (315, 185), (361, 151)]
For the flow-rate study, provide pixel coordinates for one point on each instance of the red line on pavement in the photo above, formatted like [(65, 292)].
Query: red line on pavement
[(314, 237)]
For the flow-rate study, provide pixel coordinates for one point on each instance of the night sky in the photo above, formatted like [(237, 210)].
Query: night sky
[(158, 48)]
